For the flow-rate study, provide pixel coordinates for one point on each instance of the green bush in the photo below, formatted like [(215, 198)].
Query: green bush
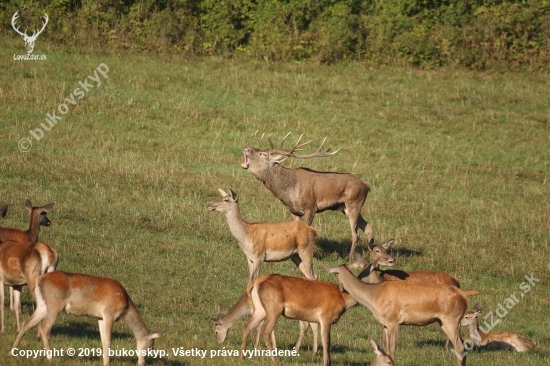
[(426, 33)]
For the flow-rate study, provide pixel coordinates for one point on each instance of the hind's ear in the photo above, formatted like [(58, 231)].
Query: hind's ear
[(4, 211), (371, 244), (48, 207), (387, 244), (28, 203), (222, 192), (233, 194), (332, 269)]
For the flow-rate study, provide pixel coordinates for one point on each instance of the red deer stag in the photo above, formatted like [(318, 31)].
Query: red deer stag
[(304, 191), (494, 340), (80, 294), (400, 302), (296, 298), (268, 242)]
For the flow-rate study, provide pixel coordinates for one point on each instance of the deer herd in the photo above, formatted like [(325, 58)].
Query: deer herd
[(394, 297)]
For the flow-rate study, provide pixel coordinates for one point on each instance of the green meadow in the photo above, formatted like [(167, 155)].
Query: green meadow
[(458, 162)]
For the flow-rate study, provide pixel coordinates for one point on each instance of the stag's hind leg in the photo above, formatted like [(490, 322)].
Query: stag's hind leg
[(357, 223)]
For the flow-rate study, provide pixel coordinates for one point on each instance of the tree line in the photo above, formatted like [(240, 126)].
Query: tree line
[(474, 34)]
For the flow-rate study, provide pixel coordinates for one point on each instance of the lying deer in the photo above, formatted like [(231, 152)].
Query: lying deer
[(494, 340), (296, 298), (382, 358), (268, 242), (304, 192), (80, 294), (438, 277), (23, 258), (400, 302)]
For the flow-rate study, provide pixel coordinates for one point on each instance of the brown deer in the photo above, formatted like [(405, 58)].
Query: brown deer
[(494, 340), (382, 358), (304, 192), (401, 302), (37, 218), (243, 307), (268, 242), (378, 250), (80, 294), (296, 298), (48, 255), (20, 265)]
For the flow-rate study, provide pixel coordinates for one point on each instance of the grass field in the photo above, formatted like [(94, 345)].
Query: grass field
[(458, 163)]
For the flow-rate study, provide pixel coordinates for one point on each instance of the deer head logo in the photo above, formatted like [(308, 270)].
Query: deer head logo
[(29, 40)]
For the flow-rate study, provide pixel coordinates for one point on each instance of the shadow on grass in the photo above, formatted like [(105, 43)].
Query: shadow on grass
[(404, 252), (330, 247), (84, 330), (440, 343)]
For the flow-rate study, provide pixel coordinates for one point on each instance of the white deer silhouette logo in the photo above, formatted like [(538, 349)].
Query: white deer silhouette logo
[(29, 40)]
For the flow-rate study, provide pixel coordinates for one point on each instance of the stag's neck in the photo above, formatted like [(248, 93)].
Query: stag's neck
[(238, 227), (280, 181), (135, 321), (240, 309)]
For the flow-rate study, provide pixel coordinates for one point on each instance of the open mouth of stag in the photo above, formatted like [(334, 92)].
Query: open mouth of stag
[(246, 161)]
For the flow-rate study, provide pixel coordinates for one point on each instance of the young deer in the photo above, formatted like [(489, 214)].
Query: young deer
[(438, 277), (80, 294), (494, 340), (268, 242), (400, 302), (296, 298), (382, 358)]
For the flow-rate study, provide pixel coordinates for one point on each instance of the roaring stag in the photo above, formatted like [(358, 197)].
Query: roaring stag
[(304, 191)]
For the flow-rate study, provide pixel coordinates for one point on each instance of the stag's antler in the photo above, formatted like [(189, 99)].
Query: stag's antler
[(298, 147)]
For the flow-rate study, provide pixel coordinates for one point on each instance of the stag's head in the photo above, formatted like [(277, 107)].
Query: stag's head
[(29, 40), (258, 161)]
